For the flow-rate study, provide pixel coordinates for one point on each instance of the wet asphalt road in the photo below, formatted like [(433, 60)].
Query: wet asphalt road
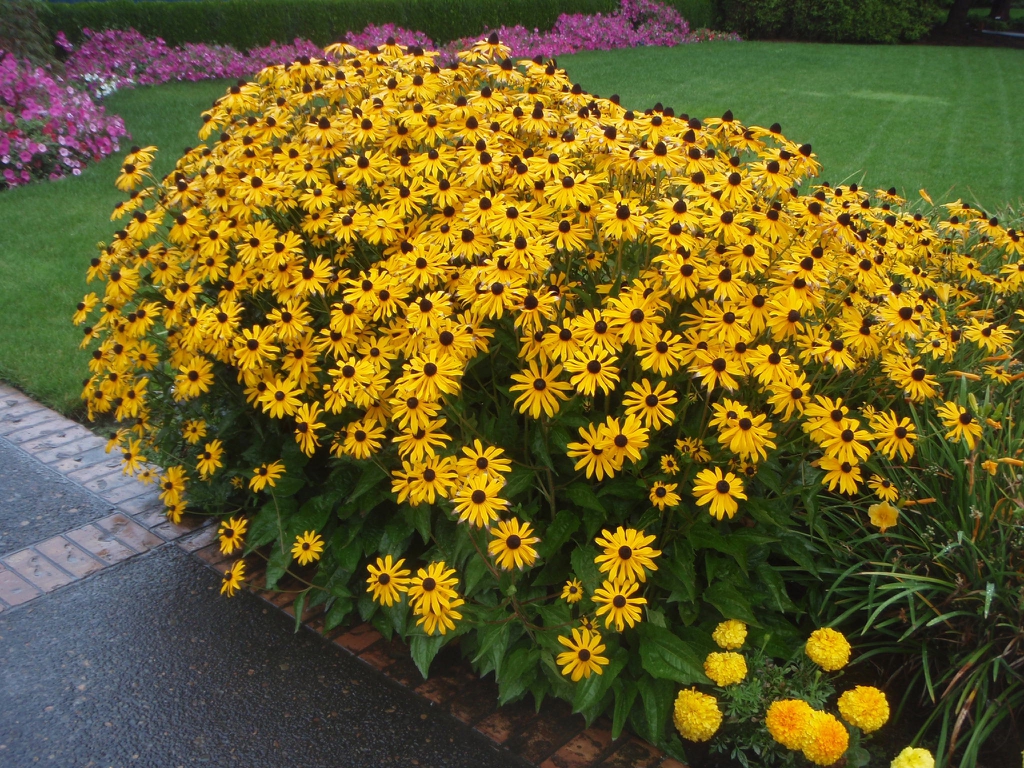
[(144, 664), (36, 502)]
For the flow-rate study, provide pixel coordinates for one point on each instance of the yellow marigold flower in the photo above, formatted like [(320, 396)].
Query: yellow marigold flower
[(913, 757), (307, 547), (883, 515), (730, 635), (827, 739), (828, 649), (864, 707), (788, 722), (725, 668), (696, 715)]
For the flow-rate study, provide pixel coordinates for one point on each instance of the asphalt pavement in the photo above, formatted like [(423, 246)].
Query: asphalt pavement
[(144, 664)]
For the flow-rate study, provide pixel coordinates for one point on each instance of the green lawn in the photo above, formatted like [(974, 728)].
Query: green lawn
[(49, 231), (943, 118), (946, 119)]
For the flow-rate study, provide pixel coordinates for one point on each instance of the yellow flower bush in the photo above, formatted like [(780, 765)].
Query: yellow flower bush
[(563, 358)]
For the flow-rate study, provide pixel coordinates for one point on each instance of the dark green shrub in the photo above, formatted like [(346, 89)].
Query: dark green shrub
[(24, 34), (246, 24), (832, 21)]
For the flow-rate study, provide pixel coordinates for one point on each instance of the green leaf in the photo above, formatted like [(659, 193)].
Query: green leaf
[(474, 572), (517, 673), (728, 600), (263, 528), (336, 614), (423, 649), (371, 477), (666, 657), (494, 639), (539, 449), (520, 479), (419, 518), (299, 606), (583, 495), (775, 586), (557, 533), (591, 690), (657, 696), (800, 550), (585, 568), (280, 559), (312, 516), (625, 694), (287, 486), (677, 572)]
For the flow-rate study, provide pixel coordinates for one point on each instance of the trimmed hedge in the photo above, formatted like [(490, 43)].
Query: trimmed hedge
[(246, 24), (832, 21)]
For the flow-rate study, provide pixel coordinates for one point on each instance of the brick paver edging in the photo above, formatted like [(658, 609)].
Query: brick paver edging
[(551, 738)]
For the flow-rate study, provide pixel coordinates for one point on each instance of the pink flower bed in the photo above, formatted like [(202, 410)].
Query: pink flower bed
[(52, 126), (116, 59), (48, 127)]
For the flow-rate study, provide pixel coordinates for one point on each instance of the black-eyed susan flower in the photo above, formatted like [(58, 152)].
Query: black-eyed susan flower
[(664, 495), (894, 435), (626, 553), (718, 491), (307, 547), (172, 485), (512, 545), (231, 533), (388, 580), (583, 655), (651, 404), (572, 592), (233, 578), (432, 589), (265, 475), (619, 603), (210, 458), (961, 423), (884, 488), (478, 502), (541, 391)]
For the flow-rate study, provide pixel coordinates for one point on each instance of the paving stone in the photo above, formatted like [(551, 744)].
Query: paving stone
[(581, 751), (553, 728), (126, 491), (634, 754), (358, 639), (506, 722), (54, 425), (143, 505), (445, 681), (11, 398), (8, 425), (14, 590), (70, 557), (671, 762), (37, 570), (20, 410), (101, 544), (475, 701), (94, 457), (83, 444), (115, 479), (129, 532), (67, 435), (211, 555), (106, 466), (198, 540)]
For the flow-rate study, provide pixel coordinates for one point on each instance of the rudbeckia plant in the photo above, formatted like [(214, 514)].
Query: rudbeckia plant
[(475, 354)]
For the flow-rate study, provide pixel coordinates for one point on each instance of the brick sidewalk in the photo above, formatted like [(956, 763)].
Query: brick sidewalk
[(552, 738)]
